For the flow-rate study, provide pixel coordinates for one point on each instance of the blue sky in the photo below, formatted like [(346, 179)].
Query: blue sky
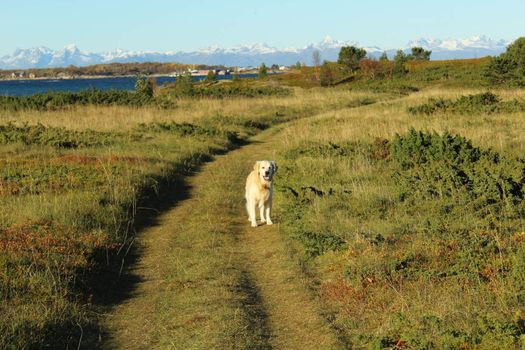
[(102, 25)]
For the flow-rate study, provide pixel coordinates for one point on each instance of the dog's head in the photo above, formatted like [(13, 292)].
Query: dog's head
[(265, 169)]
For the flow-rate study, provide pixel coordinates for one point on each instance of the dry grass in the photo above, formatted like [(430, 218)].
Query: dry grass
[(384, 120), (105, 118)]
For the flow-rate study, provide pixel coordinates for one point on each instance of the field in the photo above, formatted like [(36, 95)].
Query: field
[(399, 210)]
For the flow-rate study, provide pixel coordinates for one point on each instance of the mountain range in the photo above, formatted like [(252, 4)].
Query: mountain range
[(245, 55)]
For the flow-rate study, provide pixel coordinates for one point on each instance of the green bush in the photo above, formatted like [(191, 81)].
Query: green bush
[(509, 67), (439, 166), (144, 87), (57, 137), (188, 129), (228, 91), (486, 102), (59, 100)]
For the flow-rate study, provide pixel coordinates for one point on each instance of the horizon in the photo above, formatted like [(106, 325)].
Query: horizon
[(326, 38), (164, 26)]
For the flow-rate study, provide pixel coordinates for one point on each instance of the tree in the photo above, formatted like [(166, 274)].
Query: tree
[(399, 63), (419, 54), (298, 65), (274, 67), (144, 87), (316, 59), (349, 56), (326, 76), (211, 77), (370, 68), (184, 84), (235, 75), (263, 71), (509, 67), (383, 57)]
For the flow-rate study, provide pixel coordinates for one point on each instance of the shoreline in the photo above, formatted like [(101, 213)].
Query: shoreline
[(110, 76)]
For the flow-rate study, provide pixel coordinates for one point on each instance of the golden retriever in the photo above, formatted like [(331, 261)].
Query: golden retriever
[(259, 191)]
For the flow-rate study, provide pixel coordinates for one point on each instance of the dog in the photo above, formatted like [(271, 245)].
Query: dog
[(259, 191)]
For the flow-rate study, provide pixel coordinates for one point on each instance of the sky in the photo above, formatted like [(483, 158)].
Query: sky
[(164, 25)]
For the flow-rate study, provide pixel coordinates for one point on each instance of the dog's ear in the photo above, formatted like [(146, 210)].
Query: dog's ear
[(256, 165), (274, 166)]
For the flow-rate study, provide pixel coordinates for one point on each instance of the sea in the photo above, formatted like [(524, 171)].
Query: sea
[(29, 87)]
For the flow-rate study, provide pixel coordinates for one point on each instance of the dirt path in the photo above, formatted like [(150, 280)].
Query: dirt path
[(210, 281)]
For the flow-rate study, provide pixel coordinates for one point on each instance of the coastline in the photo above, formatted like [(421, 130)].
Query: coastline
[(109, 76)]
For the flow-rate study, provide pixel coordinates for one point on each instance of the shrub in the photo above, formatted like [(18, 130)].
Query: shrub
[(228, 91), (486, 102), (188, 129), (211, 77), (419, 54), (144, 87), (263, 71), (57, 137), (59, 100), (400, 59), (326, 74), (509, 67), (350, 56), (438, 166)]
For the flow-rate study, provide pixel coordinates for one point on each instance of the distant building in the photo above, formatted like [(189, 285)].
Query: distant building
[(63, 75), (199, 72), (32, 76)]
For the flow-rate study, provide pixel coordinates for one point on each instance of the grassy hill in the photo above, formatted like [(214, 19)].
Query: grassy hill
[(401, 200)]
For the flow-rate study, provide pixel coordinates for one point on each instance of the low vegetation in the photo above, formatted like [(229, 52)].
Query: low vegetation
[(486, 103), (415, 237), (52, 101), (509, 68), (74, 182), (235, 89)]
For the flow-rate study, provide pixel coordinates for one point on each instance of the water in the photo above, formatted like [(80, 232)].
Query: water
[(28, 87)]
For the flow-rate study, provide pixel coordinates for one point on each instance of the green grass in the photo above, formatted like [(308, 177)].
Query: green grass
[(65, 208), (420, 74), (70, 198), (414, 240)]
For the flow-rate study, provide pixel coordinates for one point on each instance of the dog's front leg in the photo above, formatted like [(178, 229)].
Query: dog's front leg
[(262, 208), (250, 207), (268, 210)]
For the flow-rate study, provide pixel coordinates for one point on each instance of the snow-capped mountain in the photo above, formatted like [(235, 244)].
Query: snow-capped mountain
[(244, 55), (477, 46)]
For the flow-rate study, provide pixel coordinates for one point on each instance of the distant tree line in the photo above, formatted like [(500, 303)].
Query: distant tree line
[(507, 69), (111, 69), (355, 61)]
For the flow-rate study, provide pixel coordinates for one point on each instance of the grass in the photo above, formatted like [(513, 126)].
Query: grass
[(460, 74), (422, 271), (402, 253), (73, 180), (221, 284)]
